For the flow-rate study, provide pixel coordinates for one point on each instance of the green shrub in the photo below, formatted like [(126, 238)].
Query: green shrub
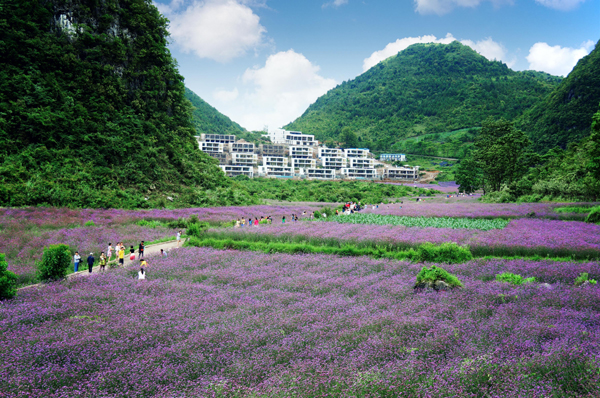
[(149, 223), (56, 259), (582, 278), (594, 216), (197, 229), (89, 224), (8, 280), (434, 274), (448, 252), (177, 224), (193, 219), (508, 277)]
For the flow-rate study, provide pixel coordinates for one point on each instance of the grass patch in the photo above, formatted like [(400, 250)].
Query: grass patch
[(423, 222)]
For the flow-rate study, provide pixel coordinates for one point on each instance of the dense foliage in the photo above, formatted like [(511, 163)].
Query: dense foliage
[(92, 109), (325, 191), (513, 279), (208, 120), (8, 280), (564, 116), (435, 274), (452, 144), (427, 88), (423, 222), (55, 262)]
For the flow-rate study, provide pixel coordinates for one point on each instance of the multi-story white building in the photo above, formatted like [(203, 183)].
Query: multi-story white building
[(273, 150), (275, 171), (297, 138), (360, 163), (241, 147), (300, 163), (237, 170), (359, 173), (403, 173), (330, 152), (222, 157), (278, 161), (333, 163), (215, 147), (320, 174), (221, 138), (301, 152), (393, 157), (356, 152), (238, 158)]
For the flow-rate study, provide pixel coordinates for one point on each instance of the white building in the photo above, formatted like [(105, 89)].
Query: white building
[(330, 152), (280, 136), (273, 150), (223, 157), (241, 147), (333, 163), (369, 174), (301, 163), (403, 173), (278, 161), (356, 152), (215, 147), (235, 170), (275, 171), (301, 152), (244, 158), (223, 139), (393, 157), (319, 174), (360, 163)]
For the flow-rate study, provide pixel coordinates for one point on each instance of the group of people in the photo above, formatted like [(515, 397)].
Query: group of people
[(240, 223)]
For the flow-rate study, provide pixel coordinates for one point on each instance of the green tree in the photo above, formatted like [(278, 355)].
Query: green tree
[(500, 151), (468, 175), (8, 280), (349, 138), (55, 262)]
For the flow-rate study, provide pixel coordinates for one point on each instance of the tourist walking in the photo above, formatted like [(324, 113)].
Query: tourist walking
[(141, 250), (178, 238), (102, 262), (76, 261), (109, 251), (90, 261), (121, 255), (283, 220), (131, 253)]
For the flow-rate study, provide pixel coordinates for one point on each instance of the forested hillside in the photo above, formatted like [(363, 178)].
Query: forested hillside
[(425, 89), (92, 109), (564, 116), (208, 120)]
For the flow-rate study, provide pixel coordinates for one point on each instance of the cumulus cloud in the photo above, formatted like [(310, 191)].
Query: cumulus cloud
[(335, 3), (441, 7), (487, 47), (276, 93), (562, 5), (226, 96), (215, 29), (556, 60)]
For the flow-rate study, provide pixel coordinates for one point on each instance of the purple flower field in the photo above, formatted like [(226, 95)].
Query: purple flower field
[(527, 234), (211, 323)]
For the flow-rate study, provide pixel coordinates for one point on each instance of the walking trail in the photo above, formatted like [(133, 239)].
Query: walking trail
[(150, 251)]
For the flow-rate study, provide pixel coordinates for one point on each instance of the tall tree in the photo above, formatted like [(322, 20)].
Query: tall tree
[(468, 175), (349, 138)]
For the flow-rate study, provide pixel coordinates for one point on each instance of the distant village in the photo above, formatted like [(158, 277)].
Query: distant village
[(293, 154)]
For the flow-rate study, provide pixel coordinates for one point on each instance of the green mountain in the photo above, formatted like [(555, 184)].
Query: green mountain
[(208, 120), (564, 116), (92, 109), (425, 89)]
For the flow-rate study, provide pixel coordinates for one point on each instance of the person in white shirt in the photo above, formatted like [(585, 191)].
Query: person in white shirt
[(76, 261), (142, 274)]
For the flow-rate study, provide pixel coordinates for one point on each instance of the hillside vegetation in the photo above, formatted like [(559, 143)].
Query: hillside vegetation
[(208, 120), (427, 88), (93, 112), (564, 116)]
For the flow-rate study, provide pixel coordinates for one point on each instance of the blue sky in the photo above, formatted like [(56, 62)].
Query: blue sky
[(263, 62)]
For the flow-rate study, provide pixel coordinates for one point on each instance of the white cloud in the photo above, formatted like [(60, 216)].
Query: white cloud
[(276, 93), (215, 29), (335, 3), (226, 96), (556, 60), (487, 47), (562, 5), (441, 7)]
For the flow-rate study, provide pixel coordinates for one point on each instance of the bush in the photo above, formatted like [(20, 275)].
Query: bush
[(197, 229), (582, 278), (56, 259), (89, 224), (448, 252), (177, 224), (508, 277), (594, 216), (434, 274), (8, 280)]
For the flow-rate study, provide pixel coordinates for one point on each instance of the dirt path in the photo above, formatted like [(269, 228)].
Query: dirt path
[(150, 251)]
